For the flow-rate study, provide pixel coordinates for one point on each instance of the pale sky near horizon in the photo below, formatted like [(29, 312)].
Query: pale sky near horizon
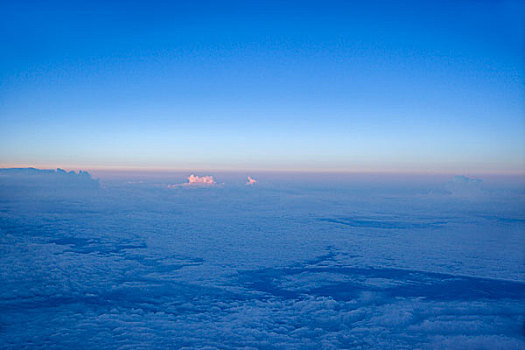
[(433, 86)]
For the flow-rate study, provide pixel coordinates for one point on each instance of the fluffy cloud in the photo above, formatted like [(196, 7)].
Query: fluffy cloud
[(251, 181), (200, 180), (195, 180)]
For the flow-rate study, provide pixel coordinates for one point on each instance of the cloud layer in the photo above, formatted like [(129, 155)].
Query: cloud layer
[(132, 266)]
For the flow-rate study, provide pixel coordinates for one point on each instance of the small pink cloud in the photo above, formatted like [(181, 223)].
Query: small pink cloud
[(251, 181), (195, 180), (200, 180)]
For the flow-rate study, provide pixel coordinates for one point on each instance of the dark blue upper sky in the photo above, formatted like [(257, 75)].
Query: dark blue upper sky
[(328, 85)]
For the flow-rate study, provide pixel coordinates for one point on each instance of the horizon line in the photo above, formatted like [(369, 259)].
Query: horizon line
[(145, 169)]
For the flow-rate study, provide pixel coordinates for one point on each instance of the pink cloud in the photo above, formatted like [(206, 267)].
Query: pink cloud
[(195, 180), (200, 180), (251, 181)]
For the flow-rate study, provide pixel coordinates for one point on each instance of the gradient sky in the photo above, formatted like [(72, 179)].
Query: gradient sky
[(409, 86)]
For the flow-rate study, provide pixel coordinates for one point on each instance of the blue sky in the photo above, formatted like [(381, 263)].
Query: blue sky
[(410, 86)]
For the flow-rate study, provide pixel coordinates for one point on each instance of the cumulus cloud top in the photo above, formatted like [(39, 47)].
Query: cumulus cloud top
[(461, 179), (251, 181), (461, 185), (200, 180), (47, 179), (196, 180)]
